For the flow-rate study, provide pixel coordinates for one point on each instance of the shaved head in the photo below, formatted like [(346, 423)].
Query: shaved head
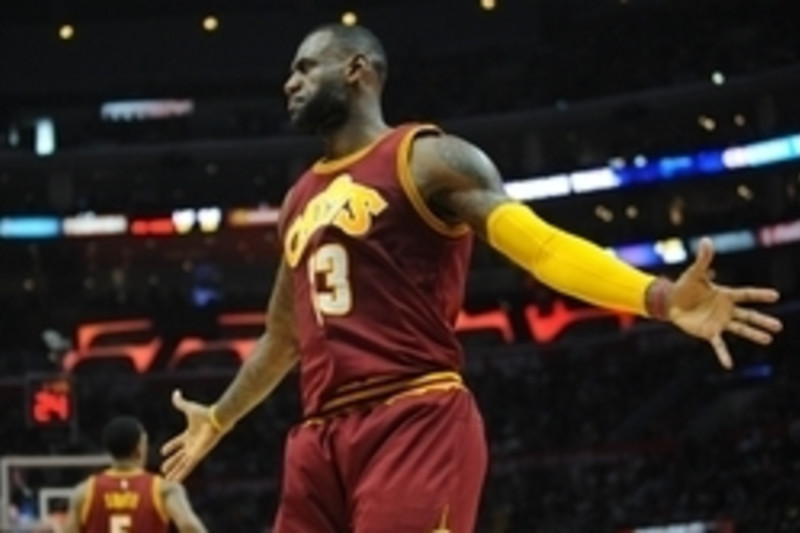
[(358, 40)]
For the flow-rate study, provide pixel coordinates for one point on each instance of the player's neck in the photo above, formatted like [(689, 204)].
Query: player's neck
[(358, 132), (126, 466)]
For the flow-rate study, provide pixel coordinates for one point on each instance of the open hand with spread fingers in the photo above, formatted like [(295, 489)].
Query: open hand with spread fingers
[(706, 310), (186, 450)]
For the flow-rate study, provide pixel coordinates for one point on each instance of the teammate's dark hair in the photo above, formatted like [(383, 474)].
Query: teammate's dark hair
[(358, 39), (121, 436)]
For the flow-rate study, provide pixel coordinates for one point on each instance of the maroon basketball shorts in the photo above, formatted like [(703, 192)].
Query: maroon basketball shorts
[(414, 463)]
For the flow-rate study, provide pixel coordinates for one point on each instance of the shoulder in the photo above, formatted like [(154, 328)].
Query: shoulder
[(445, 151), (448, 162), (285, 207), (86, 486), (82, 493), (287, 198)]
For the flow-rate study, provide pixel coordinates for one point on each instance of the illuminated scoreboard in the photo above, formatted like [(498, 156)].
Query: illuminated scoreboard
[(49, 401)]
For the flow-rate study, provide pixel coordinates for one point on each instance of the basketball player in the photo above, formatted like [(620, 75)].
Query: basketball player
[(126, 498), (376, 238)]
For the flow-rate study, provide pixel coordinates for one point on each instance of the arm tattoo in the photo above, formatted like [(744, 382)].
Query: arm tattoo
[(468, 166), (460, 180), (275, 354)]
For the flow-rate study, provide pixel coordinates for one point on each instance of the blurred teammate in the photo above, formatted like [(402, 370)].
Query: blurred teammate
[(377, 238), (125, 498)]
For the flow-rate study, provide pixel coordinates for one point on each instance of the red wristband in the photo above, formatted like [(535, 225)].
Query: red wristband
[(657, 299)]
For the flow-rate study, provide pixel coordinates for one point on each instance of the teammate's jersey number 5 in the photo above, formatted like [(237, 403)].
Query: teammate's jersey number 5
[(120, 523), (329, 274)]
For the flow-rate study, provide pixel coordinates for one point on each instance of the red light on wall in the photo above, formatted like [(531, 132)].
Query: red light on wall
[(49, 402), (92, 343), (93, 338), (191, 346), (89, 337), (496, 320), (545, 328), (155, 226)]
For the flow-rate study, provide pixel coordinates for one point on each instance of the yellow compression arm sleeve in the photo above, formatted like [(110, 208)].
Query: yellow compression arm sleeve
[(565, 262)]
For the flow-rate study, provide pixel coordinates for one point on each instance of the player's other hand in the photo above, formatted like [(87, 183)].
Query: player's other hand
[(705, 310), (183, 452)]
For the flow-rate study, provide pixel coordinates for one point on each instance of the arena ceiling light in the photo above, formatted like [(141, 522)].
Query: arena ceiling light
[(210, 23), (66, 32), (349, 18)]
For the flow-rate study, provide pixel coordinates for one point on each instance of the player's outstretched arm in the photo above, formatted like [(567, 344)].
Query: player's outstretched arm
[(274, 356), (76, 502), (462, 185), (179, 509)]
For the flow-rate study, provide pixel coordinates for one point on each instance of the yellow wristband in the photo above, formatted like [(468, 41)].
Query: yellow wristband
[(212, 417)]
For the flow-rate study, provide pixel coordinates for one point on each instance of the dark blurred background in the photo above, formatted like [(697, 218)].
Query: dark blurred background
[(144, 151)]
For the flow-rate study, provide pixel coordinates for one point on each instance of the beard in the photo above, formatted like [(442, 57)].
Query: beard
[(324, 112)]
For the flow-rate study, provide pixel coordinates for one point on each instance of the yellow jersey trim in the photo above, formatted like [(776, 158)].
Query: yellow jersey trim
[(442, 527), (424, 389), (331, 166), (387, 391), (86, 505), (158, 498), (116, 472), (412, 191)]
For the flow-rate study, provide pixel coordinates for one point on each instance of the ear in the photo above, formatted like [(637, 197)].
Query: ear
[(356, 66)]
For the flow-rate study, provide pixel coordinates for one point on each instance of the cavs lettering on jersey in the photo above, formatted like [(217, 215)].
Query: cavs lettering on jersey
[(124, 502), (378, 278)]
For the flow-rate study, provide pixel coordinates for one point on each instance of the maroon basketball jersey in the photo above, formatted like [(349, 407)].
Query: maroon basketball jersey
[(378, 278), (124, 502)]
